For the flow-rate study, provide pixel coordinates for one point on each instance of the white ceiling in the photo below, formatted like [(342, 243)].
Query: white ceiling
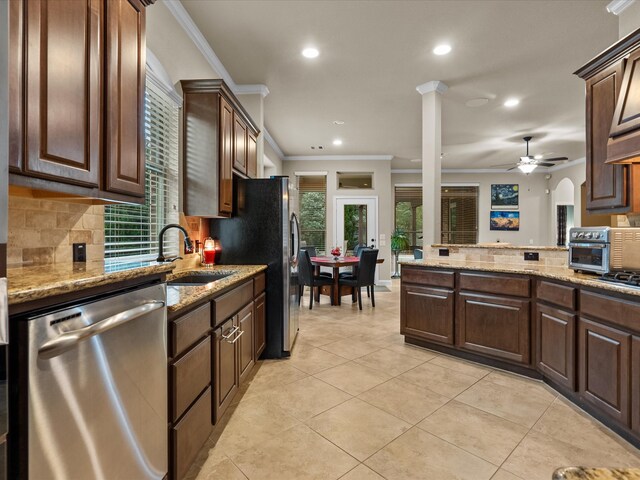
[(373, 54)]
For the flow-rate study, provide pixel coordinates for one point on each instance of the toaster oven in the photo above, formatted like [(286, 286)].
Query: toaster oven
[(604, 249)]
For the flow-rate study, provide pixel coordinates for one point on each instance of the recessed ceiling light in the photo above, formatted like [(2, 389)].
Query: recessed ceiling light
[(442, 49), (338, 122), (477, 102), (310, 52), (511, 102), (337, 142)]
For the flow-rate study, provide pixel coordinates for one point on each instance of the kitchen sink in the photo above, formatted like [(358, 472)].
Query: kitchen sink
[(195, 280)]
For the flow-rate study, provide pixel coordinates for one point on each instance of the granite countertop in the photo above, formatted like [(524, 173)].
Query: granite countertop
[(499, 245), (563, 274), (584, 473), (33, 283), (179, 297)]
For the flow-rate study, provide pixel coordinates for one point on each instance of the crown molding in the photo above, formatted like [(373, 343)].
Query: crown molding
[(273, 143), (433, 86), (344, 158), (258, 89), (406, 170), (618, 6)]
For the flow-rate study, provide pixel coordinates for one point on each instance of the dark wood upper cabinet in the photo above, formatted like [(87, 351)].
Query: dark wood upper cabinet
[(252, 155), (63, 90), (610, 188), (239, 145), (16, 85), (124, 133), (226, 158)]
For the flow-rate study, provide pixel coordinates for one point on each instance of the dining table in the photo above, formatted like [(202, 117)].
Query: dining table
[(336, 263)]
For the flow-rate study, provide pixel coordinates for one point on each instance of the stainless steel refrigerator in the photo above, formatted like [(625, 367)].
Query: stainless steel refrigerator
[(263, 230)]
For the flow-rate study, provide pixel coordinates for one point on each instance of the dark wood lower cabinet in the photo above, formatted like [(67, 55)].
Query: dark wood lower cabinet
[(260, 325), (493, 325), (189, 434), (246, 348), (427, 313), (635, 385), (555, 341), (225, 366), (604, 361)]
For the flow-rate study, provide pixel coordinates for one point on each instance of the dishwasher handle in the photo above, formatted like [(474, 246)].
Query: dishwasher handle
[(68, 340)]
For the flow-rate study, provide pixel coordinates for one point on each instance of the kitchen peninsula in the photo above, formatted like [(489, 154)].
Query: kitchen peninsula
[(579, 335)]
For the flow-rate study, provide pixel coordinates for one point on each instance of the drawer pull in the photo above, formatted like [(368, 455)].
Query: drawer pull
[(231, 333), (237, 337)]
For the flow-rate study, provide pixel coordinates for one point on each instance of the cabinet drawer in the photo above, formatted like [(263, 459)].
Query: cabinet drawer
[(259, 284), (231, 302), (560, 295), (187, 329), (434, 278), (189, 376), (613, 310), (188, 436), (497, 284)]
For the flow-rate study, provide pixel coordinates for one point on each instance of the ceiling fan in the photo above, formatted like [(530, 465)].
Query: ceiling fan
[(529, 163)]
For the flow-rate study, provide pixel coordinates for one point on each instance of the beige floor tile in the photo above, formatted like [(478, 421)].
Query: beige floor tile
[(353, 378), (268, 375), (317, 337), (418, 455), (438, 379), (358, 428), (487, 436), (306, 398), (411, 351), (393, 339), (389, 362), (405, 400), (468, 368), (362, 472), (314, 360), (298, 453), (523, 384), (350, 348), (222, 470), (518, 405), (504, 475)]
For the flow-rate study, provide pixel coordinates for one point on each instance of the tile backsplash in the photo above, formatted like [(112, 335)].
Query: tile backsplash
[(43, 231)]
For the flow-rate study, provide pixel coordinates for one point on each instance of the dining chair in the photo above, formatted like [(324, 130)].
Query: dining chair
[(354, 270), (313, 253), (307, 277), (365, 276)]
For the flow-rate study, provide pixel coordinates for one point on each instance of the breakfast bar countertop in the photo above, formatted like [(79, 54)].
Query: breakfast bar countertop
[(500, 245), (585, 473), (562, 274)]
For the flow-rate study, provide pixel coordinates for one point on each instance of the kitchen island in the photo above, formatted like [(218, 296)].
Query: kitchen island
[(578, 334)]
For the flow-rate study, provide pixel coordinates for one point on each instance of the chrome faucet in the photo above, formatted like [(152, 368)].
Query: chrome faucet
[(188, 247)]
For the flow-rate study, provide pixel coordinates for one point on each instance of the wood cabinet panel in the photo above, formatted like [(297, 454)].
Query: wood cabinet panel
[(617, 311), (495, 326), (124, 134), (561, 295), (260, 325), (226, 158), (225, 367), (606, 184), (635, 384), (15, 83), (189, 435), (626, 117), (252, 155), (427, 313), (239, 144), (603, 359), (432, 278), (259, 283), (494, 283), (189, 377), (63, 85), (231, 302), (187, 329), (555, 333), (246, 348)]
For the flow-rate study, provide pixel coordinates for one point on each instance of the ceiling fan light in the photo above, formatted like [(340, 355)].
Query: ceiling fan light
[(527, 167)]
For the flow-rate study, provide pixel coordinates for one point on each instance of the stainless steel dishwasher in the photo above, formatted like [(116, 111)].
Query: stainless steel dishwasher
[(97, 394)]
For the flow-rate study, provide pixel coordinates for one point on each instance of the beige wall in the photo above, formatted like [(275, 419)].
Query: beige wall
[(629, 20), (277, 169), (382, 189), (42, 231)]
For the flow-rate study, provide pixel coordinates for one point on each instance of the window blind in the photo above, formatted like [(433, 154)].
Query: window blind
[(131, 231), (408, 214), (312, 207), (459, 215)]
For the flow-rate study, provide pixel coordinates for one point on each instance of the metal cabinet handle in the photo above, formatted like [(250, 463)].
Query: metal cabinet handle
[(68, 340), (237, 337), (231, 333)]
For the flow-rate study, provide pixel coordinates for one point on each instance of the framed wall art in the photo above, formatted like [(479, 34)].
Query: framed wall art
[(505, 196), (501, 220)]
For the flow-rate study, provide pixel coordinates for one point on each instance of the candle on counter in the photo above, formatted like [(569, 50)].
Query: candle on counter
[(209, 250)]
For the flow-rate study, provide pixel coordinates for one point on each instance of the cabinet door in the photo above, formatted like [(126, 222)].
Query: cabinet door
[(15, 83), (124, 139), (225, 366), (260, 325), (626, 117), (606, 184), (555, 333), (495, 326), (603, 359), (246, 355), (226, 157), (63, 90), (635, 384), (239, 144), (252, 155), (427, 313)]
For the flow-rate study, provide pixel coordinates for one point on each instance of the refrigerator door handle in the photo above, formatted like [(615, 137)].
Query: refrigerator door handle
[(4, 313)]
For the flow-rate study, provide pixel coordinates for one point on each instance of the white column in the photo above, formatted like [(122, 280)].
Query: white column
[(431, 163)]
